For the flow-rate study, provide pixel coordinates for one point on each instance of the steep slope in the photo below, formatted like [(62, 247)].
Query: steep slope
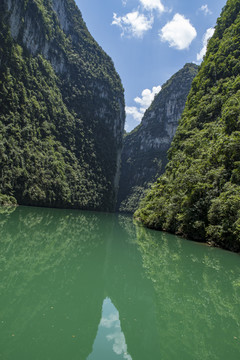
[(144, 155), (199, 194), (61, 109)]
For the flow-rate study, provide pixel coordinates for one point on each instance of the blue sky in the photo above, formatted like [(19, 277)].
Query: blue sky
[(149, 40)]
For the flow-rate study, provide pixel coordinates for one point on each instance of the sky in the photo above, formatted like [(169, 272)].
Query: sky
[(149, 41)]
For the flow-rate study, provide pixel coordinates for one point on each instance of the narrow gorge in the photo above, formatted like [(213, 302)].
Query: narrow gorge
[(144, 155)]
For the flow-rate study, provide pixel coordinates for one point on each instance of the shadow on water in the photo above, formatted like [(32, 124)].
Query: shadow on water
[(74, 283)]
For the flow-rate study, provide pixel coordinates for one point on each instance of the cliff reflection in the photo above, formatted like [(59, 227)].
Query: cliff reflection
[(51, 283), (57, 267), (197, 296), (170, 298)]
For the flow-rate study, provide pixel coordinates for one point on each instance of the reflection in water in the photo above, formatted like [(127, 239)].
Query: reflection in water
[(51, 283), (170, 298), (197, 294), (57, 267), (110, 341)]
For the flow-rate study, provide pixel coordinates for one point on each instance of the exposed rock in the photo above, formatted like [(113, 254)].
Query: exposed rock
[(144, 155), (53, 36), (198, 196)]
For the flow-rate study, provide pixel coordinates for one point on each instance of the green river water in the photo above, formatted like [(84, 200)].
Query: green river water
[(93, 286)]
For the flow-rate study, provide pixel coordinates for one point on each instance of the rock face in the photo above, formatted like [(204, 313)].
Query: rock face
[(69, 97), (198, 195), (144, 155)]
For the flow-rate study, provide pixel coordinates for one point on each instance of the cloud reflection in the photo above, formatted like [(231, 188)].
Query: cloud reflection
[(110, 328), (119, 345), (111, 321)]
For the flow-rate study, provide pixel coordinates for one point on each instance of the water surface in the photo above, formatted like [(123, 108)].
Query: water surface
[(92, 286)]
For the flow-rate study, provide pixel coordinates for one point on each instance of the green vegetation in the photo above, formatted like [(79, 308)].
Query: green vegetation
[(55, 148), (130, 204), (199, 194), (144, 154)]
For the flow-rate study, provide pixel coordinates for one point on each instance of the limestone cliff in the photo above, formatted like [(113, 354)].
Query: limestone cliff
[(64, 102), (144, 155), (198, 195)]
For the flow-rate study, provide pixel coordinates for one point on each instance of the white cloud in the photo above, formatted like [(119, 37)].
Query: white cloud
[(133, 24), (152, 5), (134, 112), (147, 97), (179, 32), (144, 102), (208, 34), (205, 10)]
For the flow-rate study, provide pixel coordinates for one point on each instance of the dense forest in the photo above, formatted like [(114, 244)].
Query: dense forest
[(62, 109), (144, 154), (198, 196), (62, 118)]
